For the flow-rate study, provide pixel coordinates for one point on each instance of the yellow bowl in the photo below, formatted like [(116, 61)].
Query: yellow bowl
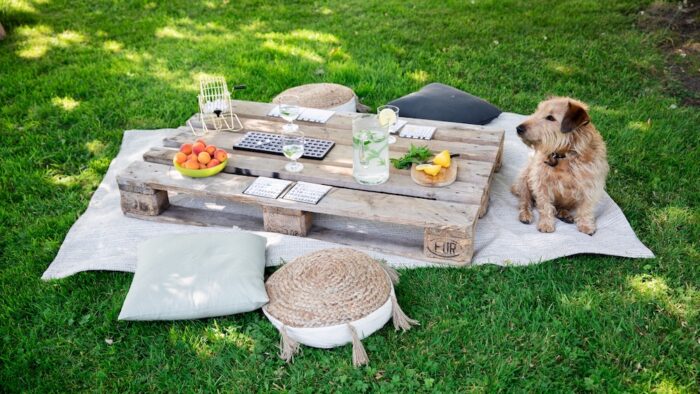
[(203, 173)]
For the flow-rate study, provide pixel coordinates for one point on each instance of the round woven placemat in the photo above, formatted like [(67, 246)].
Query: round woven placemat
[(318, 95), (328, 287)]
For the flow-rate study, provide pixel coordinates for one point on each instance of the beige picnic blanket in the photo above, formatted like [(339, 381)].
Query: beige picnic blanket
[(104, 239)]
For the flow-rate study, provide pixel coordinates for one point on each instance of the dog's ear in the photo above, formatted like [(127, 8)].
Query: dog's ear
[(575, 117)]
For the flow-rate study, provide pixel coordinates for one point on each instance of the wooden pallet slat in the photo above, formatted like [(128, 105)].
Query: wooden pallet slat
[(339, 201), (315, 172)]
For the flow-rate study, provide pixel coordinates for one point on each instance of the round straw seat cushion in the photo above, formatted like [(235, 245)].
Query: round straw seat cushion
[(329, 96), (330, 298)]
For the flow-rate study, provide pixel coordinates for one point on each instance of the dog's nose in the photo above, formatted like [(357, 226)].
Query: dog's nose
[(520, 129)]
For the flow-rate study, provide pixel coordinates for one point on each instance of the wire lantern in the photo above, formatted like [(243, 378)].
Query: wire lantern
[(215, 108)]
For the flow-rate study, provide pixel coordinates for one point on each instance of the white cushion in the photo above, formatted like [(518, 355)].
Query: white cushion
[(196, 276)]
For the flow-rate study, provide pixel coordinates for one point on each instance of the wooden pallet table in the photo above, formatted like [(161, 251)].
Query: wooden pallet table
[(447, 216)]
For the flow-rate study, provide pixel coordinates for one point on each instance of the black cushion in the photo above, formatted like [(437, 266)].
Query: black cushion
[(441, 102)]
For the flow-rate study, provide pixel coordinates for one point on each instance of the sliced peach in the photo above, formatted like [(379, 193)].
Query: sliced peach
[(186, 149), (198, 148), (204, 158), (221, 155), (180, 157)]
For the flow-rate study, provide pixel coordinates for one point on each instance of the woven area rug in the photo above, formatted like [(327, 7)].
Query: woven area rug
[(103, 239)]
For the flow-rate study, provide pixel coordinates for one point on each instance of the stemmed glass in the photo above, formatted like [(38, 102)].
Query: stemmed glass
[(293, 148), (392, 125), (289, 110)]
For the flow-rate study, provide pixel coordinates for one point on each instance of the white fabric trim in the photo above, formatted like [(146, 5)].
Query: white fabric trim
[(337, 335)]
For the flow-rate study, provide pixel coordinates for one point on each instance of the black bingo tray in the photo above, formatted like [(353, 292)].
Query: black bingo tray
[(272, 143)]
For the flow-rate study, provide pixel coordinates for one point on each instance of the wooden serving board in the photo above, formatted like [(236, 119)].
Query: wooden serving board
[(445, 177)]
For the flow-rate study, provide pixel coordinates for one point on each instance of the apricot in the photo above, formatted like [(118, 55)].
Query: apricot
[(192, 157), (204, 158), (213, 163), (180, 157), (201, 141), (186, 149), (192, 165), (198, 148), (221, 155), (210, 149), (202, 166)]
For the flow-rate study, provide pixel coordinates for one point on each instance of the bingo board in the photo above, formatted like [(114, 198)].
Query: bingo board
[(272, 143)]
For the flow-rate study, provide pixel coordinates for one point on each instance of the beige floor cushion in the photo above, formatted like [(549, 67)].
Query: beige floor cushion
[(329, 96), (330, 298)]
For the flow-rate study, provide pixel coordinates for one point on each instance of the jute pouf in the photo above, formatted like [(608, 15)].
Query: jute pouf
[(330, 96), (330, 298)]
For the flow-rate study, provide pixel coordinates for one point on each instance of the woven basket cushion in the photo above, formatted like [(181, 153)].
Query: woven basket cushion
[(328, 287), (319, 95)]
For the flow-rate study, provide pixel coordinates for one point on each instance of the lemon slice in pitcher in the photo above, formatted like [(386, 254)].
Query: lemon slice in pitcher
[(387, 117)]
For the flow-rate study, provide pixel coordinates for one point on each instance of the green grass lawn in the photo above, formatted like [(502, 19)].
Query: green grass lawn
[(74, 75)]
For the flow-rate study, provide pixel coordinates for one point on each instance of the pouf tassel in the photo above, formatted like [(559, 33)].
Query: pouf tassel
[(359, 355), (391, 272), (288, 347), (400, 319)]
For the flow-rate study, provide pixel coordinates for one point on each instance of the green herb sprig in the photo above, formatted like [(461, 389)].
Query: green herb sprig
[(415, 154)]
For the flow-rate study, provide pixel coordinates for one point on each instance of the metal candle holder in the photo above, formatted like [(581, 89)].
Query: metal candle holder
[(215, 108)]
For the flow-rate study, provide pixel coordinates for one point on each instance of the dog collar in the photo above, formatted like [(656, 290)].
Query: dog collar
[(553, 159)]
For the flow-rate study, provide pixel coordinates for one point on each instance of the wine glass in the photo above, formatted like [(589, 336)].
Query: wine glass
[(392, 125), (293, 148), (289, 110)]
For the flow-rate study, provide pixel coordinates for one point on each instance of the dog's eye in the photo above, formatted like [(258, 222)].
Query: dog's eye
[(550, 118)]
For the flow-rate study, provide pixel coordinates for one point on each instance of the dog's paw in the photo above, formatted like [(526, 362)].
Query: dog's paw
[(545, 226), (565, 216), (525, 217), (586, 228)]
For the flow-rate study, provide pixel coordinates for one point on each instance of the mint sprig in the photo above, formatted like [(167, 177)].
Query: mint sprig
[(415, 154)]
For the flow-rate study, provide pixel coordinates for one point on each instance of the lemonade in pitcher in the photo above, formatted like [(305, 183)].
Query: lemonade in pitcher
[(370, 162)]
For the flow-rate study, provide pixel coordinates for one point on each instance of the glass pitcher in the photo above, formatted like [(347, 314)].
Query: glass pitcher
[(370, 145)]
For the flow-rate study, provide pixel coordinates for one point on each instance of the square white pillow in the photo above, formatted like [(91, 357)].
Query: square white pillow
[(196, 276)]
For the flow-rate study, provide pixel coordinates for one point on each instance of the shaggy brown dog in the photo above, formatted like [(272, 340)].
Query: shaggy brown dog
[(565, 177)]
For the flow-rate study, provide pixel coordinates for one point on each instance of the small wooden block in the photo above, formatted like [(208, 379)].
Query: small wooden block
[(485, 199), (144, 204), (287, 221), (448, 244)]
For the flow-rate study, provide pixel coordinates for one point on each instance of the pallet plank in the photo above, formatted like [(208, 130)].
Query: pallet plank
[(273, 167), (343, 202), (372, 241), (340, 155), (471, 151), (447, 131)]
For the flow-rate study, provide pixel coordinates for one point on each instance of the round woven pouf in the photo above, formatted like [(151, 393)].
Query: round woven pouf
[(330, 298), (330, 96)]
